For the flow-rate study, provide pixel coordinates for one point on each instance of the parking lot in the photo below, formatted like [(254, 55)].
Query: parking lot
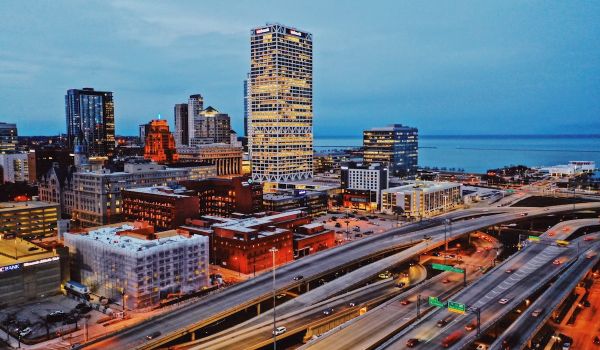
[(355, 226), (47, 318)]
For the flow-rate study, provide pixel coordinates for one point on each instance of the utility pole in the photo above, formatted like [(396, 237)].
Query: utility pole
[(273, 251)]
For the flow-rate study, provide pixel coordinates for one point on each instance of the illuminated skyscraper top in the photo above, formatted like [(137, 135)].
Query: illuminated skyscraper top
[(281, 109)]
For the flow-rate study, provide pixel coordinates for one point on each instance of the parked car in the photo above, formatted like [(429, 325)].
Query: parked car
[(25, 332)]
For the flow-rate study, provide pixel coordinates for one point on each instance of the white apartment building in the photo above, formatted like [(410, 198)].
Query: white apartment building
[(14, 166), (421, 199), (131, 264)]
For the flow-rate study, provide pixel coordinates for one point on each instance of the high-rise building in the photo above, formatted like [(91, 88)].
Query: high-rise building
[(8, 137), (281, 108), (211, 126), (15, 166), (181, 125), (143, 131), (195, 106), (91, 120), (246, 104), (160, 143), (396, 145)]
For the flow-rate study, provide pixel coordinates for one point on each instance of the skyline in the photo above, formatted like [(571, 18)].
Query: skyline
[(520, 70)]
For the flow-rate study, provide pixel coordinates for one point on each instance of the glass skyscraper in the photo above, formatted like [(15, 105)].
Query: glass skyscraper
[(281, 108), (396, 146), (91, 121)]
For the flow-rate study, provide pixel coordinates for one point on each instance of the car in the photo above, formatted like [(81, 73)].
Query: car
[(368, 232), (566, 345), (536, 312), (441, 323), (524, 214), (471, 326), (279, 296), (153, 335), (551, 233), (33, 248), (24, 332), (405, 302), (435, 254), (597, 340), (412, 342), (481, 347), (385, 275), (503, 301), (445, 280), (358, 235), (328, 311), (586, 303), (298, 278), (546, 209), (588, 238), (279, 330), (556, 262), (509, 271), (589, 256), (352, 304), (400, 285), (338, 225)]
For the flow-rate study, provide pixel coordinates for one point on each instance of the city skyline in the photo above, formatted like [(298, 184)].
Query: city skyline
[(520, 73)]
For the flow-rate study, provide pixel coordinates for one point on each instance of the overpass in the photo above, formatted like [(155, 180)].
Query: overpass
[(186, 320)]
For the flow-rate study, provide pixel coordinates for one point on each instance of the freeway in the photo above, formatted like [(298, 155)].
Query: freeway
[(524, 328), (372, 328), (257, 331), (495, 294), (245, 294)]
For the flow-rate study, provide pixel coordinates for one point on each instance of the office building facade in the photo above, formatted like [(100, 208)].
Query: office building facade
[(396, 146), (181, 125), (362, 185), (421, 199), (15, 166), (8, 137), (159, 146), (211, 126), (91, 120), (281, 106)]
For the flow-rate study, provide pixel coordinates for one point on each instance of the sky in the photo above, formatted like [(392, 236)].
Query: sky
[(445, 67)]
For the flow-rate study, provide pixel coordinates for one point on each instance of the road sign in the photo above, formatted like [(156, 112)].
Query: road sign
[(456, 307), (447, 268), (534, 238), (434, 301)]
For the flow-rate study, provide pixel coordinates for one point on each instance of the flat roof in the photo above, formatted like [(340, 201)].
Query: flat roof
[(12, 206), (160, 191), (17, 250), (425, 186), (108, 236)]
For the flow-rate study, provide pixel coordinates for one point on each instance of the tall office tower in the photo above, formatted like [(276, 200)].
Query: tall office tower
[(181, 125), (211, 126), (195, 106), (281, 109), (143, 131), (246, 106), (8, 137), (160, 144), (91, 119), (395, 145)]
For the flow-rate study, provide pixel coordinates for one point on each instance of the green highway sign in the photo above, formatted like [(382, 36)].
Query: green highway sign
[(534, 238), (456, 307), (434, 301), (443, 267)]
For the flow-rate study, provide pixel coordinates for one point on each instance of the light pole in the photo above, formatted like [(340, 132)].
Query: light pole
[(273, 251)]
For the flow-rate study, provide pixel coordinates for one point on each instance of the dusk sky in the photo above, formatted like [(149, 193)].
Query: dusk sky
[(454, 67)]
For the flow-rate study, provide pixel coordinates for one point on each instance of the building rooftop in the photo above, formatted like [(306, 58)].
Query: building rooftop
[(121, 236), (17, 250), (162, 191), (425, 186), (12, 206)]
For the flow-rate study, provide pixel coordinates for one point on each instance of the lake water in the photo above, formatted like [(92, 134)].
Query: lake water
[(479, 153)]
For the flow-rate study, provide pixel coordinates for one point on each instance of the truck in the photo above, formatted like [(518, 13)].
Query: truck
[(451, 339), (78, 289)]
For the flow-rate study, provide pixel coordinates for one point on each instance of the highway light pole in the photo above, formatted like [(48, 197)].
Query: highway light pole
[(273, 251)]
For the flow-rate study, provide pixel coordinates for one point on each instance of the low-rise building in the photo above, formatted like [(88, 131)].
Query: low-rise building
[(312, 238), (225, 196), (227, 158), (311, 202), (27, 271), (28, 219), (130, 263), (421, 199), (163, 207)]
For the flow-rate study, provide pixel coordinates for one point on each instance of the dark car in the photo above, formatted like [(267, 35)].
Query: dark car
[(596, 340), (412, 342), (441, 323), (328, 311), (153, 335), (298, 278), (338, 225)]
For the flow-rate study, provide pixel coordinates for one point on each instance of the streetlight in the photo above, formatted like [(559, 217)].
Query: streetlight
[(273, 251)]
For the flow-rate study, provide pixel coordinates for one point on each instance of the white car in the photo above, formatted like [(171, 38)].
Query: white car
[(279, 330), (25, 332), (503, 301)]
